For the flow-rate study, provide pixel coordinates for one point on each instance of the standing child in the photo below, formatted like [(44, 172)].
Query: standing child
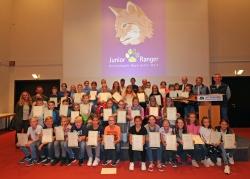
[(135, 107), (55, 113)]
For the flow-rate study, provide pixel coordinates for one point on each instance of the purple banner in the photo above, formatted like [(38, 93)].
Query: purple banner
[(133, 38)]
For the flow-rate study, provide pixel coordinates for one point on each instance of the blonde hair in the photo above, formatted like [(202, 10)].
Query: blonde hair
[(21, 101)]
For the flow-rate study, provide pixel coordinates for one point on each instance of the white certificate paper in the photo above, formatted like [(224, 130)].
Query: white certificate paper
[(109, 142), (173, 94), (55, 100), (158, 99), (106, 113), (48, 113), (163, 92), (215, 137), (171, 113), (117, 96), (22, 139), (154, 111), (103, 97), (229, 141), (85, 109), (73, 116), (72, 139), (92, 138), (197, 139), (93, 95), (135, 113), (148, 91), (47, 135), (78, 97), (137, 142), (141, 97), (121, 117), (37, 111), (63, 110), (171, 143), (188, 143), (154, 139), (59, 133)]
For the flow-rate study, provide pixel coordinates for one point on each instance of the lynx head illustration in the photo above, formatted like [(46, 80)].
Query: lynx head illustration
[(132, 26)]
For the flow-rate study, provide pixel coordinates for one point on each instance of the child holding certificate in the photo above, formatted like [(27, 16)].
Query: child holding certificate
[(116, 90), (114, 130), (227, 154), (212, 150), (128, 95), (157, 94), (106, 111), (38, 110), (193, 128), (183, 155), (81, 130), (46, 148), (55, 113), (135, 110), (60, 146), (139, 130), (93, 93), (153, 127), (30, 149), (96, 128), (151, 111), (168, 155), (85, 108)]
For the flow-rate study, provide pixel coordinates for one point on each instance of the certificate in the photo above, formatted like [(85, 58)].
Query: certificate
[(37, 111), (59, 133), (188, 143), (158, 99), (63, 98), (121, 117), (47, 135), (197, 139), (184, 94), (106, 113), (108, 171), (154, 139), (55, 100), (93, 95), (92, 138), (48, 113), (78, 97), (229, 141), (171, 113), (84, 108), (117, 96), (163, 92), (72, 139), (103, 97), (173, 94), (137, 142), (171, 143), (135, 113), (215, 137), (141, 97), (63, 110), (154, 111), (148, 91), (109, 142), (22, 139), (73, 116)]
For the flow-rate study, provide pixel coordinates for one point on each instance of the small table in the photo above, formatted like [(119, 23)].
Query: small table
[(6, 117)]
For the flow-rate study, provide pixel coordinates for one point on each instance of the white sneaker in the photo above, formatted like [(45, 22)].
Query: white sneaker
[(90, 162), (143, 166), (195, 164), (96, 162), (204, 162), (231, 160), (218, 163), (227, 170), (210, 163), (131, 166)]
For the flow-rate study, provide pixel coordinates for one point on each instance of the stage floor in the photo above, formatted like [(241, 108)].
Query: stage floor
[(10, 168)]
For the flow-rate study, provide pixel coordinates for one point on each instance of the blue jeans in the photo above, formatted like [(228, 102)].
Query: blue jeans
[(184, 153), (81, 151), (33, 150), (48, 151), (97, 151), (224, 153), (60, 147), (150, 153), (200, 152), (112, 154)]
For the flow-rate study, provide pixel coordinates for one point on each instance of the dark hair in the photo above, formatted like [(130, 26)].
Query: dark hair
[(64, 84), (152, 116), (202, 122), (93, 83), (122, 79), (138, 117), (53, 102), (224, 120), (184, 127), (196, 122)]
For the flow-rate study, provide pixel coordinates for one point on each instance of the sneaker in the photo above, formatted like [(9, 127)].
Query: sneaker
[(63, 162), (107, 162), (96, 162), (231, 160), (173, 164), (160, 168), (117, 162), (195, 164), (43, 160), (218, 162), (46, 162), (25, 159), (39, 161), (113, 164), (54, 162), (178, 159), (80, 162), (71, 161), (143, 166), (205, 163), (227, 170), (151, 167), (210, 163), (90, 162), (30, 163), (131, 166)]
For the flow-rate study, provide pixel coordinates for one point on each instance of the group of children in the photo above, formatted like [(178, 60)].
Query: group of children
[(139, 121)]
